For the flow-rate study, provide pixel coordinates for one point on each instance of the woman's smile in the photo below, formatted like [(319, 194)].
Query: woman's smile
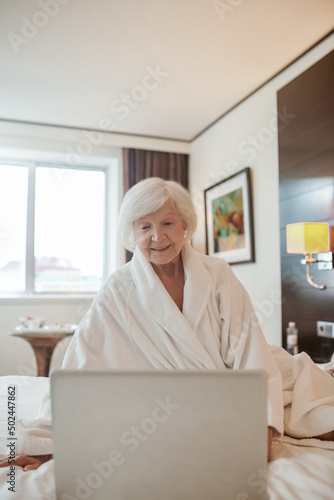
[(160, 249)]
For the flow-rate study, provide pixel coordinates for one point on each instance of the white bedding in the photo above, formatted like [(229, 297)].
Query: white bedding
[(298, 469)]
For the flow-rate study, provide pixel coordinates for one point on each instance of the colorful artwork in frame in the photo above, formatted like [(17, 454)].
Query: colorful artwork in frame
[(229, 219)]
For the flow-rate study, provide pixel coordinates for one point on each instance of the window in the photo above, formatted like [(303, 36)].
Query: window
[(52, 228), (13, 222)]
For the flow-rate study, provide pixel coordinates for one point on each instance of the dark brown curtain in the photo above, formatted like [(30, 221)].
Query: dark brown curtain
[(139, 164)]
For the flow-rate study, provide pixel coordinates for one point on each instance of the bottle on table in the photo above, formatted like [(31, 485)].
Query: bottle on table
[(292, 338)]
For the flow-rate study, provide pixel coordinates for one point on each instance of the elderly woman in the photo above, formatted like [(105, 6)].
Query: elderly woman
[(173, 308), (170, 307)]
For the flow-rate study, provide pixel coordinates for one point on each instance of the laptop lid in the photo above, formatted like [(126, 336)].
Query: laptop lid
[(171, 435)]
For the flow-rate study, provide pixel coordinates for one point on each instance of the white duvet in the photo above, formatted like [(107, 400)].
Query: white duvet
[(298, 469)]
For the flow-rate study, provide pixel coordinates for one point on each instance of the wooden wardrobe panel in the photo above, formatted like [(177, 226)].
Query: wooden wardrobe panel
[(306, 184)]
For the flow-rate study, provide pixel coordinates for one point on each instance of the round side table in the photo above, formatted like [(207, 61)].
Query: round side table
[(43, 343)]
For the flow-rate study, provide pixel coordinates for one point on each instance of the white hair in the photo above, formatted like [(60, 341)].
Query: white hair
[(148, 196)]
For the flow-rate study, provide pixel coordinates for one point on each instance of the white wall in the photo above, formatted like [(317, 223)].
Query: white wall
[(247, 136), (71, 146)]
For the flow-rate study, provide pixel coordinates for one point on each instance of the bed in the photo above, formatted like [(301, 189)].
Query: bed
[(298, 469)]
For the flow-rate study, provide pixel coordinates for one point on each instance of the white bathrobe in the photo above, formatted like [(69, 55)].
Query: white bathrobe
[(134, 324)]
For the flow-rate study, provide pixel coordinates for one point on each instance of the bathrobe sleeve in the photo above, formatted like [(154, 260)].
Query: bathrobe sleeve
[(300, 395), (308, 395), (243, 345), (101, 341)]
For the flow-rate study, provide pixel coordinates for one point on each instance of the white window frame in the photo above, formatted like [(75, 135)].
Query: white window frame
[(112, 257)]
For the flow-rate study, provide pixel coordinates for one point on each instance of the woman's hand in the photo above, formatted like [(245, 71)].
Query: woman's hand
[(270, 438), (27, 462)]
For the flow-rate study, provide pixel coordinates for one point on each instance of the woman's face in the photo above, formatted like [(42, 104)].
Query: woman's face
[(160, 235)]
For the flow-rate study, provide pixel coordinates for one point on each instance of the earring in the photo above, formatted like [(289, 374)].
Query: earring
[(185, 233)]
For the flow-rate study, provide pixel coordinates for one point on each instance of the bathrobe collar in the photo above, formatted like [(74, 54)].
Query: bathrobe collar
[(159, 304)]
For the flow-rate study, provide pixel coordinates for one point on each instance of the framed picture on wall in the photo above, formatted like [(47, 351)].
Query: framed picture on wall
[(229, 219)]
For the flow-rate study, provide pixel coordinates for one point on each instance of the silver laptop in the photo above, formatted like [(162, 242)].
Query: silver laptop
[(171, 435)]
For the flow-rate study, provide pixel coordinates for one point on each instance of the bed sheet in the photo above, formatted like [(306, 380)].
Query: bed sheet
[(298, 469)]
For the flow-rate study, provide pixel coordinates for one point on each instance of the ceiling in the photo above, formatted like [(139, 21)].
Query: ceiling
[(160, 68)]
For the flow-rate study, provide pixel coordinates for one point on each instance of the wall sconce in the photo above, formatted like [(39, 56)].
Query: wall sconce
[(309, 238)]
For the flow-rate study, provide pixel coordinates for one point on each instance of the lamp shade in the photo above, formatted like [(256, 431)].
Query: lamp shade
[(307, 237)]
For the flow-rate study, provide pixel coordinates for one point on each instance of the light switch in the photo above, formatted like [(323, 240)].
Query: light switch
[(325, 329)]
